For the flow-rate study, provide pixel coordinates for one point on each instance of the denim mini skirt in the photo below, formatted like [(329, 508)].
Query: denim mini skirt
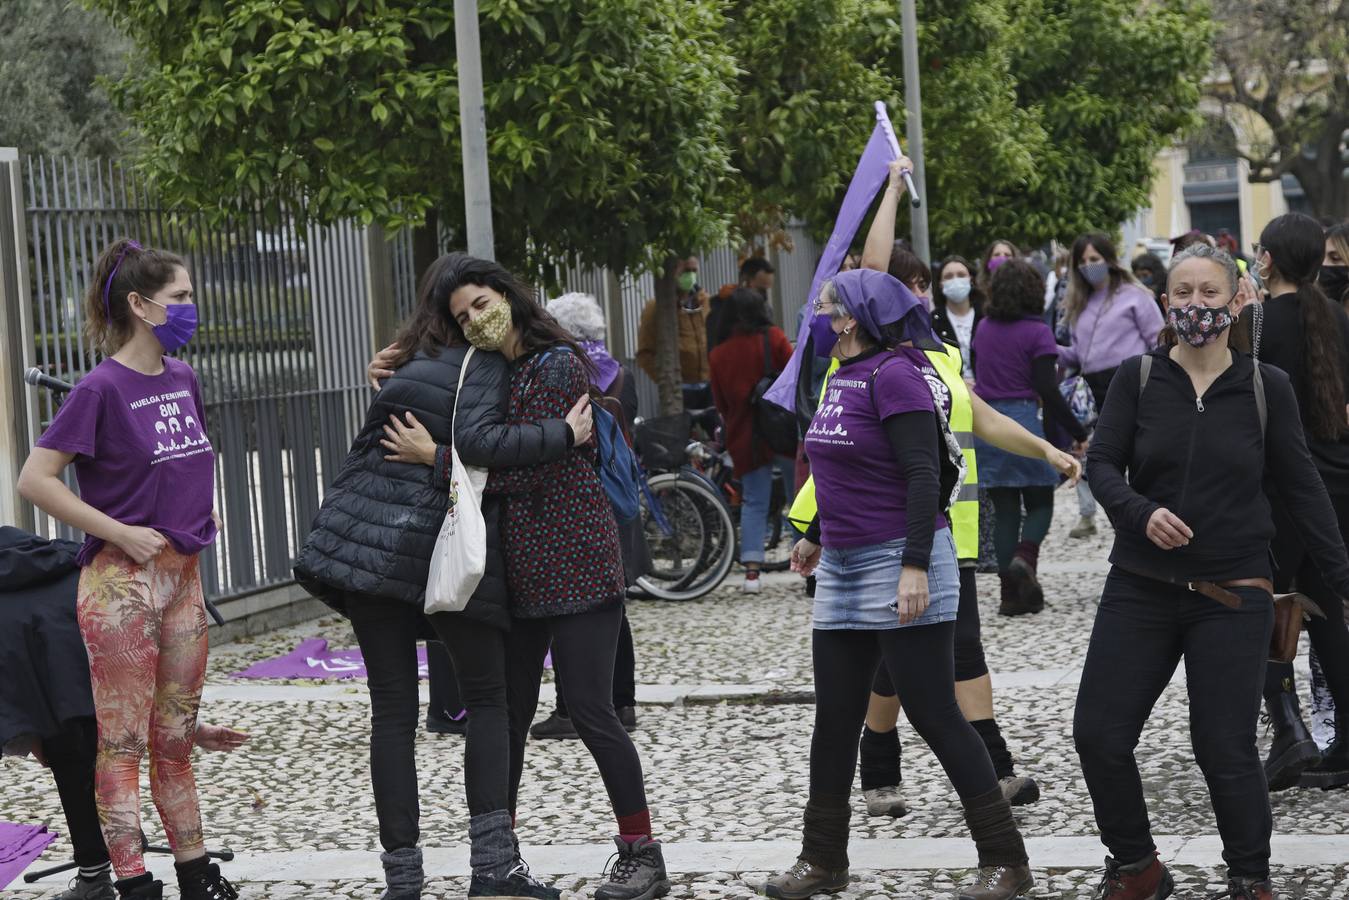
[(857, 587), (1000, 469)]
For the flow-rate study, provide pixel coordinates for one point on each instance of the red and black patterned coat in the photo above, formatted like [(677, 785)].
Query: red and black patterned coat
[(558, 529)]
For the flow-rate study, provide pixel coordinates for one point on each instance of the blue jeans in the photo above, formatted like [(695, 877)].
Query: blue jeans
[(756, 489)]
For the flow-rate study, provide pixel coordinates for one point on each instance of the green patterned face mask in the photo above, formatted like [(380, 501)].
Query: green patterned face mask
[(687, 280), (488, 331)]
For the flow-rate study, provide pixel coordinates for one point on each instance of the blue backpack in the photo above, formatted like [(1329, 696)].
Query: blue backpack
[(619, 474)]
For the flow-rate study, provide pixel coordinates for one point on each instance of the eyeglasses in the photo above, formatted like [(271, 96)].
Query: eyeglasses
[(820, 304)]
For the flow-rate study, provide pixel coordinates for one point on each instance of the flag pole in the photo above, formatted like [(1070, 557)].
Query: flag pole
[(913, 117)]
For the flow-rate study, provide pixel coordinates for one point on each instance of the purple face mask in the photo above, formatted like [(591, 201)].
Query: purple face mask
[(822, 336), (996, 262), (178, 328)]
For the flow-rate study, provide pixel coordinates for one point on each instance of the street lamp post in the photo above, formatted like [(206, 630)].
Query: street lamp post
[(913, 122), (473, 131)]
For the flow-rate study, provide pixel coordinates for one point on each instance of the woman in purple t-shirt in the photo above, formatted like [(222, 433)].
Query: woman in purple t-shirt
[(135, 429), (1015, 360), (888, 584)]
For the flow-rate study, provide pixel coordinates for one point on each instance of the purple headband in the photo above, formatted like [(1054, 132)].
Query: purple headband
[(107, 308)]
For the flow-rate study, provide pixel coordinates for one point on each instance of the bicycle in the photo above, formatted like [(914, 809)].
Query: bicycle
[(691, 510)]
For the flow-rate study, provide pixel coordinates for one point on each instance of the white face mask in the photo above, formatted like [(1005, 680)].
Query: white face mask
[(957, 289)]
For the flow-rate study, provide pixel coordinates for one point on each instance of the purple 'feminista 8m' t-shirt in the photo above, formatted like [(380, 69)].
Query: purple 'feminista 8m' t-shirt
[(1002, 357), (859, 487), (141, 451)]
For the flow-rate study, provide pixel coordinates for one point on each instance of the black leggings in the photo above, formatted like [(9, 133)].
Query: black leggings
[(970, 663), (625, 673), (1143, 629), (388, 631), (1010, 527), (1328, 635), (583, 650), (71, 758), (922, 661)]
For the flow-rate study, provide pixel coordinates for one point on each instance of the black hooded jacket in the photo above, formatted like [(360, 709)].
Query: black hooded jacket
[(1206, 461), (378, 523)]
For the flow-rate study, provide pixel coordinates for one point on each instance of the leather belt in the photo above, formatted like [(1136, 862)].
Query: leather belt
[(1219, 590)]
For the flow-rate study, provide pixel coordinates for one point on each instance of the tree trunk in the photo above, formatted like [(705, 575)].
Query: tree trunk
[(1323, 179), (667, 342), (426, 247)]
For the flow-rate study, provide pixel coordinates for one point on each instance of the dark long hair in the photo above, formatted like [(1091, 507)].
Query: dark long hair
[(1296, 245), (745, 312), (432, 325), (978, 299), (144, 270)]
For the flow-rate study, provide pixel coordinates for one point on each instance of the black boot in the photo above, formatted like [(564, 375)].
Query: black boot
[(199, 879), (1293, 749), (1024, 571), (142, 887), (1333, 769)]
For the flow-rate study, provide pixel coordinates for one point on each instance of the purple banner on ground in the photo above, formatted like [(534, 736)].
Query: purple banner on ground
[(872, 170), (19, 846), (313, 659)]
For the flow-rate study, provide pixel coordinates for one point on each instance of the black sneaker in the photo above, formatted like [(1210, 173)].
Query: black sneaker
[(97, 888), (207, 885), (555, 727), (446, 725), (638, 873), (1332, 771), (627, 717), (517, 883)]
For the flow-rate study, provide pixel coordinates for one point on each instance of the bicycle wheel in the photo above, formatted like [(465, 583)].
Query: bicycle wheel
[(694, 556)]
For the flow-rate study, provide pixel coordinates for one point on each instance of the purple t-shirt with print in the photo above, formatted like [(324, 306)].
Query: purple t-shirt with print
[(1002, 357), (141, 451), (859, 488)]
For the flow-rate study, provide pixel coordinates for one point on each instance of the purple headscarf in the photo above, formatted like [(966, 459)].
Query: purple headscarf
[(876, 299), (606, 367)]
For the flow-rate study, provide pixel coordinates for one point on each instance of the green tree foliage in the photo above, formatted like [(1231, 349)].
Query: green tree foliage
[(606, 118), (803, 105), (1287, 65), (1110, 83), (50, 56)]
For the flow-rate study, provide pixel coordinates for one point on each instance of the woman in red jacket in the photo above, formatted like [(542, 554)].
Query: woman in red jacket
[(737, 364)]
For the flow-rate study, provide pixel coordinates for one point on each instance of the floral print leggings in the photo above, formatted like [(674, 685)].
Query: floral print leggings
[(144, 628)]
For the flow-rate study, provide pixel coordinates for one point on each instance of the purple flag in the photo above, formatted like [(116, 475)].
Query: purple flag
[(872, 171), (19, 846)]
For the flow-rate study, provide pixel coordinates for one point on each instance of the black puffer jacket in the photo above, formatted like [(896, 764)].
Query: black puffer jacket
[(378, 524)]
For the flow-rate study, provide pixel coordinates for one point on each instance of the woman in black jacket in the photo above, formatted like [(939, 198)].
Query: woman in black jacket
[(1178, 460), (368, 557), (1306, 334)]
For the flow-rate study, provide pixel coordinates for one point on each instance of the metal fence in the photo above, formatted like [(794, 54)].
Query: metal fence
[(286, 330), (288, 316)]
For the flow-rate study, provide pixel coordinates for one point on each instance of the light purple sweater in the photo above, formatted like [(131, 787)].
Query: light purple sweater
[(1109, 331)]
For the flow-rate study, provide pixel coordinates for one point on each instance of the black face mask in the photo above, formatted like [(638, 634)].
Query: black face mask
[(1335, 281)]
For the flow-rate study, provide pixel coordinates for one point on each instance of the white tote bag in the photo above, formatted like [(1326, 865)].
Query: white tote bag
[(460, 555)]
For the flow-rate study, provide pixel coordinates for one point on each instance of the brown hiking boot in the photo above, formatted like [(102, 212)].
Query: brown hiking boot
[(999, 883), (1247, 889), (1146, 879), (805, 880)]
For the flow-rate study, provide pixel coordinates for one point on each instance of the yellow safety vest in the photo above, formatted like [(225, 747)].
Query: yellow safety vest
[(964, 515)]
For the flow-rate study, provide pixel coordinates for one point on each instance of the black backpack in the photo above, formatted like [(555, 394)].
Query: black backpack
[(773, 425)]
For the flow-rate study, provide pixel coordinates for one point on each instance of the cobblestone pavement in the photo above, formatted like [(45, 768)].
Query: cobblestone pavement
[(727, 780)]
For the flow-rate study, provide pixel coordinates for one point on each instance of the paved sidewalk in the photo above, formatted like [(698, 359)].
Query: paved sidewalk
[(725, 719)]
